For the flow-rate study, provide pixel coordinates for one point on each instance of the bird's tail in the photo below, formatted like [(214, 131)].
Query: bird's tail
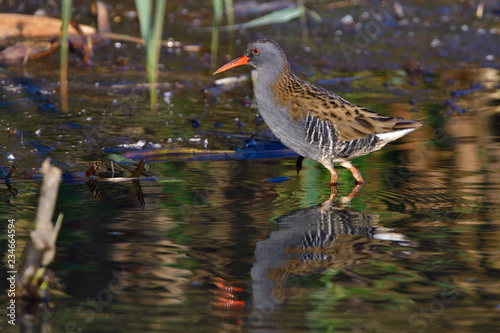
[(401, 128), (404, 124)]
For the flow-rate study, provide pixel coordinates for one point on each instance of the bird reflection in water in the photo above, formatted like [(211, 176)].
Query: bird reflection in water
[(308, 241)]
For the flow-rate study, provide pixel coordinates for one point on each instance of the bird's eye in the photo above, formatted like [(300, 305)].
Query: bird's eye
[(255, 51)]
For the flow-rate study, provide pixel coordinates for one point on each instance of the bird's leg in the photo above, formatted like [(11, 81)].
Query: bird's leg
[(355, 172), (298, 164), (333, 176), (333, 192), (355, 191)]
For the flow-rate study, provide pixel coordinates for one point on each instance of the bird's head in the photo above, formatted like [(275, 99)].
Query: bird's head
[(264, 54)]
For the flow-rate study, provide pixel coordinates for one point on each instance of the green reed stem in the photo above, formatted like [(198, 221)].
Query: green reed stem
[(217, 8), (228, 5), (151, 31), (303, 21), (63, 66), (144, 11)]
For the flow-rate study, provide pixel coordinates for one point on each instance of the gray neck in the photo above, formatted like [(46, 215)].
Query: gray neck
[(268, 74), (264, 94)]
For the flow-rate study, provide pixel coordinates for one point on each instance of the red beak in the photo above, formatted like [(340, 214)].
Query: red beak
[(236, 62)]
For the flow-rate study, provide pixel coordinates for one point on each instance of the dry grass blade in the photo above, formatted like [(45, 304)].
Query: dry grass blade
[(280, 16)]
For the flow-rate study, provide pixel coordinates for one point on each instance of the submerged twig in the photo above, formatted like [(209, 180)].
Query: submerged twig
[(86, 42), (138, 191), (93, 169), (139, 168), (13, 191), (94, 189), (11, 171)]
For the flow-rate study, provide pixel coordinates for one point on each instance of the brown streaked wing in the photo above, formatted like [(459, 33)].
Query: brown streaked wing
[(351, 122)]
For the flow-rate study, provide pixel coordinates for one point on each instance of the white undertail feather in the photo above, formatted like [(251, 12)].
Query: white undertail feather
[(391, 136)]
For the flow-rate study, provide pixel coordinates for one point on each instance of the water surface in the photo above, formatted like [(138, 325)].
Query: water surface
[(226, 245)]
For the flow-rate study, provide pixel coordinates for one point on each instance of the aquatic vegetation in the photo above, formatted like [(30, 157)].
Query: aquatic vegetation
[(151, 31)]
